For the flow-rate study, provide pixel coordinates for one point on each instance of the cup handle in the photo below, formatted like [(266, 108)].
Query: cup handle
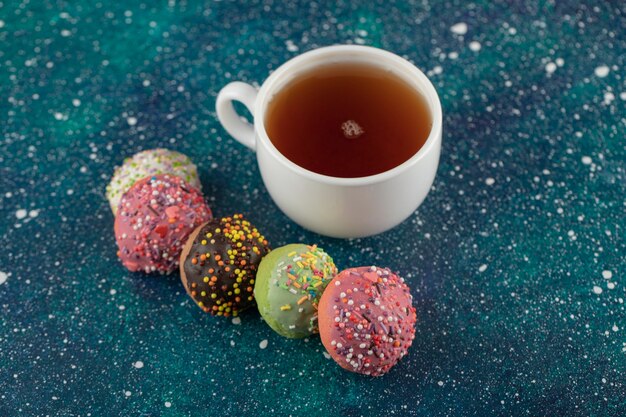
[(239, 129)]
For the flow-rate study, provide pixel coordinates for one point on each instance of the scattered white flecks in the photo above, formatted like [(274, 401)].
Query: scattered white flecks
[(597, 290), (490, 181), (438, 70), (263, 344), (232, 343), (560, 62), (128, 393), (55, 398), (1, 24), (58, 115), (586, 160), (550, 67), (3, 277), (622, 95), (453, 55), (459, 28), (76, 102), (606, 274), (113, 291), (291, 47), (615, 328), (608, 97), (327, 355), (33, 213), (145, 83), (65, 33), (602, 71), (132, 121), (122, 307), (571, 234), (20, 214), (168, 404), (138, 364), (69, 192), (482, 268), (610, 285), (475, 46), (440, 383), (236, 320)]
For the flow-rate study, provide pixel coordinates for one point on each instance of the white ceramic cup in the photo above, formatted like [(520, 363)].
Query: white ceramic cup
[(333, 206)]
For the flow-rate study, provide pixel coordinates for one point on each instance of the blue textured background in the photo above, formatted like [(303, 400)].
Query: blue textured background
[(516, 258)]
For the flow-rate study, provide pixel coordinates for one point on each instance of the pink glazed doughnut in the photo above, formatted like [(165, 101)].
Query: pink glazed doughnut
[(154, 219), (366, 319)]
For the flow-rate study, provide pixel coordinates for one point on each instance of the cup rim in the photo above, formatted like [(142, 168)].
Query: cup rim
[(427, 89)]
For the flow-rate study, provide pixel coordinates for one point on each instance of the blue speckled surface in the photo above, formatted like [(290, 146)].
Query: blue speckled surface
[(516, 258)]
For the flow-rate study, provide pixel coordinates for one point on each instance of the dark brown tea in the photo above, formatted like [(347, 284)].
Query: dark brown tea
[(348, 120)]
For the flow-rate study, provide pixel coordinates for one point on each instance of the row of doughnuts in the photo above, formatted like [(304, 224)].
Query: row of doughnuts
[(364, 315)]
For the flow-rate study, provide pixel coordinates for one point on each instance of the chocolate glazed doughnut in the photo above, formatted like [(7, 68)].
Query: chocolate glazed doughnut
[(219, 262)]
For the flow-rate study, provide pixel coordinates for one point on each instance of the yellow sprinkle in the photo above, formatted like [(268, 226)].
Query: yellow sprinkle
[(205, 279), (292, 254), (213, 295), (285, 307), (317, 284), (203, 293), (203, 242), (300, 264)]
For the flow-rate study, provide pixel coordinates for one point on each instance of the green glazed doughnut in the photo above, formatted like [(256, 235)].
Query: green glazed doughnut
[(289, 283), (146, 164)]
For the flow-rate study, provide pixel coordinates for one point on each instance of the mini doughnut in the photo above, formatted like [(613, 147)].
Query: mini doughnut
[(366, 319), (288, 288), (146, 164), (155, 217), (219, 263)]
